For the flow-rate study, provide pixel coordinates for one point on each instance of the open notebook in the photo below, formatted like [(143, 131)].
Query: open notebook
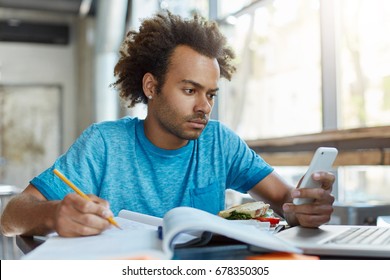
[(343, 240), (141, 239)]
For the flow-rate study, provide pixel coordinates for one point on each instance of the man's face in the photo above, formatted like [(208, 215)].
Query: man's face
[(182, 108)]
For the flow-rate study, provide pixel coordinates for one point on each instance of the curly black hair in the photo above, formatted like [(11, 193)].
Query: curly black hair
[(150, 50)]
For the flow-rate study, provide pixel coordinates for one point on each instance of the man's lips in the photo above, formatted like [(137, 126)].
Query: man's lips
[(198, 123)]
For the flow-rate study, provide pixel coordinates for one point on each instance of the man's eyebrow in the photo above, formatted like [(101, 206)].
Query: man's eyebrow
[(196, 84)]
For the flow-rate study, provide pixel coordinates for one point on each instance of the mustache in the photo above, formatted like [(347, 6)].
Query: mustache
[(199, 117)]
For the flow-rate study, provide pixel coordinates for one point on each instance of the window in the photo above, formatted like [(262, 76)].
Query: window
[(363, 80), (362, 29), (284, 48), (364, 183), (229, 7), (186, 8), (278, 83)]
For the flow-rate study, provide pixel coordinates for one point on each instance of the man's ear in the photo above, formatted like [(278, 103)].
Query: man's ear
[(149, 84)]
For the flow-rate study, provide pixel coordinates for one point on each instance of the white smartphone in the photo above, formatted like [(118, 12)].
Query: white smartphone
[(322, 161)]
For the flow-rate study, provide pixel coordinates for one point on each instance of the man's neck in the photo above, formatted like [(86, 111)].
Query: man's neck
[(162, 138)]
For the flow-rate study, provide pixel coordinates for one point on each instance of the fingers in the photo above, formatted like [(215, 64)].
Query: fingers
[(319, 195), (308, 209), (312, 220), (326, 178), (99, 200), (96, 206), (309, 215), (77, 216), (319, 211)]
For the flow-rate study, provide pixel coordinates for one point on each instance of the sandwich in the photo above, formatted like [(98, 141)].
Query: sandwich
[(257, 210)]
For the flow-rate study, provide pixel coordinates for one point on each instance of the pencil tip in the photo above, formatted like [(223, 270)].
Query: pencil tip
[(113, 222)]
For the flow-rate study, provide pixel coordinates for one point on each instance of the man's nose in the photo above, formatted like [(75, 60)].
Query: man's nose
[(203, 104)]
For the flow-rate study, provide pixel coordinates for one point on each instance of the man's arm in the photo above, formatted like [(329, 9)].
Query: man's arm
[(275, 191), (30, 213)]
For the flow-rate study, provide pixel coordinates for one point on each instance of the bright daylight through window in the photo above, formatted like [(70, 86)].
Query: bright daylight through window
[(277, 91)]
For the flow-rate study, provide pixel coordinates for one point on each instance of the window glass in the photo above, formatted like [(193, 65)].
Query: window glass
[(362, 32), (363, 183), (186, 8), (228, 7), (276, 91), (277, 87), (363, 78)]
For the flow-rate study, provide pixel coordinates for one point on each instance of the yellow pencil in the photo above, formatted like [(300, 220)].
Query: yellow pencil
[(77, 190)]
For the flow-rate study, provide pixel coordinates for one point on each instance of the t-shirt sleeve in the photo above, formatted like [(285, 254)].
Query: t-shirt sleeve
[(245, 167), (82, 164)]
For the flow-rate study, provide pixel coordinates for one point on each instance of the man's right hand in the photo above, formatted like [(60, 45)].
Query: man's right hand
[(76, 216), (30, 213)]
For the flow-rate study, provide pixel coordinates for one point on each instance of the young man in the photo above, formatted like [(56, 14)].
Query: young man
[(176, 156)]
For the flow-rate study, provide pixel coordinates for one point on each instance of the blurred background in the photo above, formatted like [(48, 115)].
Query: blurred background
[(310, 73)]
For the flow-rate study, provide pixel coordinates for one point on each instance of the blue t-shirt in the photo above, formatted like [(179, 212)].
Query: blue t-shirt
[(115, 161)]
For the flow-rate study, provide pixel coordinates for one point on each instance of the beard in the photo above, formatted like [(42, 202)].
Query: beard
[(180, 126), (172, 121)]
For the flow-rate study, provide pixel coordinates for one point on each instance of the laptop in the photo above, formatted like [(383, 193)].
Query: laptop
[(340, 240)]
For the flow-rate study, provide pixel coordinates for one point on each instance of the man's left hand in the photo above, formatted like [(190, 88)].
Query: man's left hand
[(319, 211)]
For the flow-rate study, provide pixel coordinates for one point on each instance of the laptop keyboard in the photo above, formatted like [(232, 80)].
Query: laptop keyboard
[(368, 236)]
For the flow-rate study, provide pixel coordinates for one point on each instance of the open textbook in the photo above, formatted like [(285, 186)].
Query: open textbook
[(142, 239)]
